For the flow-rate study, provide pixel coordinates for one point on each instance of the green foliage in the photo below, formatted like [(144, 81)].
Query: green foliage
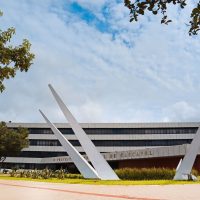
[(145, 174), (60, 174), (12, 141), (124, 174), (35, 174), (74, 176), (44, 174), (12, 58), (12, 173), (139, 7), (195, 20), (22, 174)]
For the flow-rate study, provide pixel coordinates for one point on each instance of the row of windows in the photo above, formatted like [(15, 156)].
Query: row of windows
[(41, 154), (44, 143), (115, 143), (99, 131)]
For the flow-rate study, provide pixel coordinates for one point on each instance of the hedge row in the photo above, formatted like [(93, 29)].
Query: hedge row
[(43, 174), (124, 174), (147, 173)]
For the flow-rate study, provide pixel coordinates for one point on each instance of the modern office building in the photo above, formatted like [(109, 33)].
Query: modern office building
[(122, 144)]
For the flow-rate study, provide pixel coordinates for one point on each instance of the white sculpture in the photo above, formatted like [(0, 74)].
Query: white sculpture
[(184, 169), (104, 171), (83, 166)]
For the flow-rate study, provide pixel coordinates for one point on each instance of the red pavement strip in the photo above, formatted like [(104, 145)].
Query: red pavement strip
[(83, 193)]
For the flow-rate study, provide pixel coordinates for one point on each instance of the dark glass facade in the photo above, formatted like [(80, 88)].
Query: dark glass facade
[(41, 154), (44, 143), (108, 143), (115, 143), (116, 131)]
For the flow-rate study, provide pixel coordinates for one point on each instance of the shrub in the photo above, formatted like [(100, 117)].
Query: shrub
[(124, 174), (60, 174), (46, 173), (13, 173), (28, 174), (22, 174), (35, 174)]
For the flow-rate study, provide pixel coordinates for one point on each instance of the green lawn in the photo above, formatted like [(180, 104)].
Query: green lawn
[(99, 182)]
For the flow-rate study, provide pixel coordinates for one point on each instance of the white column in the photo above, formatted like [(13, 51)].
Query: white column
[(83, 166), (184, 170), (103, 169)]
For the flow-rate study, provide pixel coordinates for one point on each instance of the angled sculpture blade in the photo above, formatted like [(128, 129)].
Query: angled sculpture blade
[(184, 170), (179, 164), (103, 169), (83, 166)]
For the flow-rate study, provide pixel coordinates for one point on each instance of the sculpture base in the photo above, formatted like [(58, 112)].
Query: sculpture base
[(185, 177)]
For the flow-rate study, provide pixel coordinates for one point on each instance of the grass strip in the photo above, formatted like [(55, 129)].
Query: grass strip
[(102, 182)]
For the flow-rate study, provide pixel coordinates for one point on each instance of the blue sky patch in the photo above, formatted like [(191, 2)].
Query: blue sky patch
[(87, 16)]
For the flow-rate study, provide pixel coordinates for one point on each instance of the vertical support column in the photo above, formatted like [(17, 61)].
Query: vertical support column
[(103, 169), (184, 170), (83, 166)]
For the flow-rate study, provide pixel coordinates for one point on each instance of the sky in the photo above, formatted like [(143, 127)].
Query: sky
[(105, 68)]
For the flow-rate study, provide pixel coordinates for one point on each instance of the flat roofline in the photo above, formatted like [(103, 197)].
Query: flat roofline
[(110, 125)]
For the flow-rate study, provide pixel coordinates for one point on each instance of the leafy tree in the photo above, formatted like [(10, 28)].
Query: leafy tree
[(140, 7), (12, 58), (12, 141)]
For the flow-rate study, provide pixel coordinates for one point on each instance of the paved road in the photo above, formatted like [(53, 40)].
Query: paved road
[(26, 190)]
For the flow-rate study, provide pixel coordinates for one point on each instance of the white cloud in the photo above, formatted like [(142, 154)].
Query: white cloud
[(101, 78), (89, 111), (182, 111)]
